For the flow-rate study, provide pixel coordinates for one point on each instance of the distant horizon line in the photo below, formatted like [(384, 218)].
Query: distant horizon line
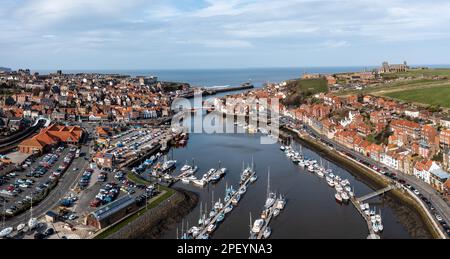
[(218, 68)]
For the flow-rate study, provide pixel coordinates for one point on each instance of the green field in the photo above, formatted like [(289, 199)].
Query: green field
[(311, 86), (437, 96), (425, 72)]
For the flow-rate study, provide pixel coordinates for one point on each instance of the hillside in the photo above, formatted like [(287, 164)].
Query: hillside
[(299, 90)]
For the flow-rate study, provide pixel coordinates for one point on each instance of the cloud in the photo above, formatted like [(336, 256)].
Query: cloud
[(173, 27)]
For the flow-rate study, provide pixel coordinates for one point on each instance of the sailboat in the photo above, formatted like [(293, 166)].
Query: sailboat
[(271, 196), (252, 234)]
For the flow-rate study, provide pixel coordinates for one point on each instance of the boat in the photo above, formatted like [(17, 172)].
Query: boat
[(211, 228), (242, 190), (380, 227), (348, 188), (271, 196), (265, 214), (282, 148), (218, 206), (203, 236), (221, 217), (235, 200), (6, 232), (32, 223), (338, 197), (253, 178), (228, 209), (276, 212), (320, 173), (338, 188), (267, 232), (351, 194), (185, 180), (257, 226), (185, 168), (21, 227), (281, 203), (345, 197), (200, 182), (168, 165), (375, 228), (330, 183), (215, 178)]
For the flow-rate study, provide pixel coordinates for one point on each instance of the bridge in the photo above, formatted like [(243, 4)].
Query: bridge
[(375, 194)]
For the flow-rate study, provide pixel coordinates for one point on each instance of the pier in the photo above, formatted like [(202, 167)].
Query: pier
[(357, 205), (267, 220), (214, 219), (375, 194)]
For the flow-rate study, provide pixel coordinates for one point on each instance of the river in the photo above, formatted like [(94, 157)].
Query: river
[(311, 210)]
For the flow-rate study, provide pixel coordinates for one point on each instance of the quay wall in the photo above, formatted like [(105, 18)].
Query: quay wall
[(153, 222), (372, 179)]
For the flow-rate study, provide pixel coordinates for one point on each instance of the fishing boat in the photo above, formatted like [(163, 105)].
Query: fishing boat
[(338, 197), (257, 226), (267, 232)]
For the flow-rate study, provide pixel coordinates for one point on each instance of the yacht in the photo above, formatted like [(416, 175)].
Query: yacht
[(257, 226), (267, 233), (169, 165), (185, 168)]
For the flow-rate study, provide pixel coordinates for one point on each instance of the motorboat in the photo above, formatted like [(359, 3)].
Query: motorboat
[(281, 203), (253, 178), (276, 212), (242, 190), (32, 223), (265, 214), (257, 226), (345, 197), (235, 200), (267, 232), (228, 209), (200, 182), (211, 228), (6, 232), (221, 217), (338, 197), (185, 180), (320, 173), (271, 198), (21, 227)]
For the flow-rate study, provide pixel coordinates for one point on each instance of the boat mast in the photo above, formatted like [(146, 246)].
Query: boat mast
[(268, 182), (250, 223), (253, 164)]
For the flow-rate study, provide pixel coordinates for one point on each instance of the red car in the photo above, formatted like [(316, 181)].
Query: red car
[(96, 203)]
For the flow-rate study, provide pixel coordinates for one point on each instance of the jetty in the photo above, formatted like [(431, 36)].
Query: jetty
[(268, 219), (377, 193), (214, 219), (357, 205)]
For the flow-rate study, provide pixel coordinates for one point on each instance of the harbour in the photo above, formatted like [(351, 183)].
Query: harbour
[(311, 209)]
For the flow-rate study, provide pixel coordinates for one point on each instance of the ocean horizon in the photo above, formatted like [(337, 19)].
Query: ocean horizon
[(214, 77)]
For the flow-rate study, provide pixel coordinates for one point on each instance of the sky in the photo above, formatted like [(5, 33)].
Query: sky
[(151, 34)]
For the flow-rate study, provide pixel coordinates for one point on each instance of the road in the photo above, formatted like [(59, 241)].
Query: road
[(441, 206)]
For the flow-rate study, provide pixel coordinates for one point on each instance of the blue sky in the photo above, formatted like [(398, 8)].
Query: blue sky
[(139, 34)]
